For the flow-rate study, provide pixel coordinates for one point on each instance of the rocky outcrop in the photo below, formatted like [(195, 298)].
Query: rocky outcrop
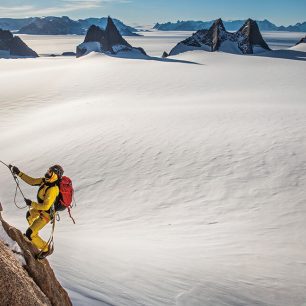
[(165, 54), (105, 41), (13, 46), (33, 283), (247, 40), (302, 41), (16, 287), (249, 36)]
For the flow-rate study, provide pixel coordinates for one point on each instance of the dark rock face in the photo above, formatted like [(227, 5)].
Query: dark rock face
[(107, 41), (245, 39), (68, 53), (113, 37), (302, 41), (14, 46), (251, 36), (165, 54), (35, 275), (16, 287)]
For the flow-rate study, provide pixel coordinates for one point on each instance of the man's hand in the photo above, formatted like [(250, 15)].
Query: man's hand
[(14, 169), (28, 202)]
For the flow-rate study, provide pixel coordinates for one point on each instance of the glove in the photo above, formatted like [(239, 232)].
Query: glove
[(28, 202), (14, 169)]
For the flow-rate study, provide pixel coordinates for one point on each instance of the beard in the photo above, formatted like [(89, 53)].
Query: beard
[(48, 176)]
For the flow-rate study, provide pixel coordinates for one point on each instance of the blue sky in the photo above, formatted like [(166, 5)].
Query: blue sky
[(143, 12)]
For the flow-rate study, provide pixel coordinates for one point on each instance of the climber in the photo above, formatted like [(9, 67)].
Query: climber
[(41, 212)]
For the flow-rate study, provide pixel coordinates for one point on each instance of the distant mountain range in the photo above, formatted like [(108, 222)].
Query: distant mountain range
[(232, 25), (60, 25)]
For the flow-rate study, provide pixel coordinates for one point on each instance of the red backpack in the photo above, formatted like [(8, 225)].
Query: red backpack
[(65, 195)]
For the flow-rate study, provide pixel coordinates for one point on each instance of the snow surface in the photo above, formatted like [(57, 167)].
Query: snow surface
[(190, 176), (91, 46)]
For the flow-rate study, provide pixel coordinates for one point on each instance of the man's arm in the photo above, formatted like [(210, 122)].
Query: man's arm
[(30, 180)]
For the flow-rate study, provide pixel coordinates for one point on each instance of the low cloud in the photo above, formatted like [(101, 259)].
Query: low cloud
[(62, 7)]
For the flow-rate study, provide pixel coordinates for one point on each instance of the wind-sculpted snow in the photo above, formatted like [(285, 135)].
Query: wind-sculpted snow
[(190, 179)]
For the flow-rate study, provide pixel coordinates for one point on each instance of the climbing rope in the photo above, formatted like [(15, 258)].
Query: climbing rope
[(55, 217), (49, 243), (17, 186)]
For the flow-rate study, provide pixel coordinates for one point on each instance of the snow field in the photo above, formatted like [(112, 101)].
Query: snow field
[(189, 174)]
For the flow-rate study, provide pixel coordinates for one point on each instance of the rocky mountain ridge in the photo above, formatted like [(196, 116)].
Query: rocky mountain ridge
[(247, 40), (27, 281)]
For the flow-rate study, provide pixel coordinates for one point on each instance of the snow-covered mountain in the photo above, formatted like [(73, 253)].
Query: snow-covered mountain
[(231, 25), (12, 46), (107, 41), (64, 25), (247, 40)]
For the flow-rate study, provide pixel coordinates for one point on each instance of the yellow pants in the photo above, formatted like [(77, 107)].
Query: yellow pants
[(37, 219)]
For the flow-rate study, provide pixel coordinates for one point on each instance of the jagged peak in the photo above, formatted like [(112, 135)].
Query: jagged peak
[(113, 35), (94, 33), (5, 34), (249, 25), (111, 27), (218, 23)]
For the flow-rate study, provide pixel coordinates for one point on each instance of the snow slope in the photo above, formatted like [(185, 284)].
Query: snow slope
[(190, 178)]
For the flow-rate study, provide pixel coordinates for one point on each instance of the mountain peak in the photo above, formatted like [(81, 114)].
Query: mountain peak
[(13, 46), (218, 23), (252, 36), (108, 40), (217, 38)]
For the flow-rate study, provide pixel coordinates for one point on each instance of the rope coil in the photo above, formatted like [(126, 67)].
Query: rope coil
[(17, 186)]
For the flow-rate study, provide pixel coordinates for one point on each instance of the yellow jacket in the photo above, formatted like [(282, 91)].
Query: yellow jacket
[(48, 191)]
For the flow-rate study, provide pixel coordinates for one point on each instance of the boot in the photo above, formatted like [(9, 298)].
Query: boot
[(43, 255)]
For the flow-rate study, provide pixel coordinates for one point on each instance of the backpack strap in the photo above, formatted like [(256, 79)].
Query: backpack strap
[(69, 211)]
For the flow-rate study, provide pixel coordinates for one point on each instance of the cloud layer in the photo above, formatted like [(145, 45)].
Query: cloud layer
[(59, 7)]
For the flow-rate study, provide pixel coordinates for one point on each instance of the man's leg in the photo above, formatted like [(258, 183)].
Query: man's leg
[(32, 215), (32, 232)]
